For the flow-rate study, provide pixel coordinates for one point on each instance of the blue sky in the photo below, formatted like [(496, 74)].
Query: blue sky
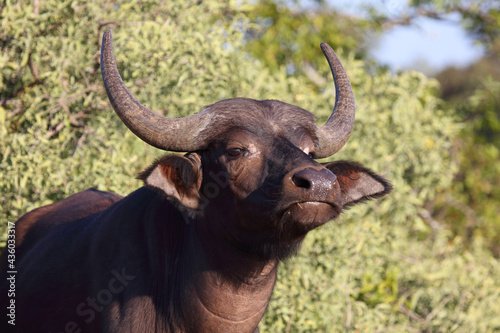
[(429, 45)]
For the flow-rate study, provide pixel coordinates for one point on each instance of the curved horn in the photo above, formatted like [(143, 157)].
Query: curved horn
[(334, 133), (180, 134)]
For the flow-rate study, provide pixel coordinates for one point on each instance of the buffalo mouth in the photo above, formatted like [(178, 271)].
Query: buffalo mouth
[(282, 238), (307, 215)]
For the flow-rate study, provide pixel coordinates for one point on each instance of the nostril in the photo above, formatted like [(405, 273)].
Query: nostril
[(301, 182)]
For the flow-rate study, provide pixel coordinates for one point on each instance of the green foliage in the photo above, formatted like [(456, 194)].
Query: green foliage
[(470, 206), (458, 84), (381, 267), (283, 36), (360, 277)]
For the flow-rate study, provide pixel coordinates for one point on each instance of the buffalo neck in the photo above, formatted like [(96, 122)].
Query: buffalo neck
[(232, 289), (217, 285)]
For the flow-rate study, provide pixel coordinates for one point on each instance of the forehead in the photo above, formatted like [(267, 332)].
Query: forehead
[(263, 119)]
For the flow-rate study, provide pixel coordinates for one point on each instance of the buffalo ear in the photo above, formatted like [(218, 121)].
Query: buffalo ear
[(178, 177), (358, 183)]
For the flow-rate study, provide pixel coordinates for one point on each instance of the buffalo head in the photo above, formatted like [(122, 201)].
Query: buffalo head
[(250, 175)]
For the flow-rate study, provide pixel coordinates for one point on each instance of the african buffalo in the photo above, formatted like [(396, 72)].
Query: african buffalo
[(196, 249)]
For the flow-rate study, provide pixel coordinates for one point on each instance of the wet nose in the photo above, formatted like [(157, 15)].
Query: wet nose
[(313, 180)]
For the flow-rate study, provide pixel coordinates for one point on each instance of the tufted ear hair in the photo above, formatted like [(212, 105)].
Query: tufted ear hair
[(178, 177), (358, 183)]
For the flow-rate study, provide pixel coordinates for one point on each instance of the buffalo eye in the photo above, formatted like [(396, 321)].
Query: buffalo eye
[(235, 152)]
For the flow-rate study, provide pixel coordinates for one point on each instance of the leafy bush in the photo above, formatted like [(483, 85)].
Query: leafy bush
[(383, 267), (471, 207)]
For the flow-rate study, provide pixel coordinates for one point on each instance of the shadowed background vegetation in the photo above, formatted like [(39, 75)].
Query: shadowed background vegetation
[(425, 259)]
